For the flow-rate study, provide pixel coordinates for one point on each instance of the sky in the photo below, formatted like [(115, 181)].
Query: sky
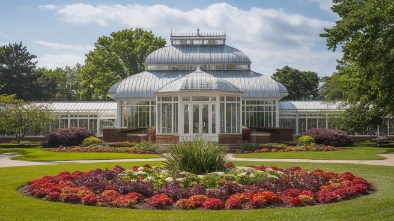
[(273, 33)]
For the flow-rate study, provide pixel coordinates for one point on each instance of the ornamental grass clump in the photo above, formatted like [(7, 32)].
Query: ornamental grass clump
[(198, 156)]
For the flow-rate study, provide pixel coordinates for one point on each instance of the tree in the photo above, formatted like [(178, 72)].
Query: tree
[(365, 32), (332, 88), (114, 58), (18, 75), (21, 118), (358, 118), (301, 85), (67, 85)]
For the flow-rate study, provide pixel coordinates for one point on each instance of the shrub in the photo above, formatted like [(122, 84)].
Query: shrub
[(197, 156), (331, 137), (248, 146), (304, 140), (146, 146), (72, 136), (123, 144), (91, 140), (213, 203), (159, 201)]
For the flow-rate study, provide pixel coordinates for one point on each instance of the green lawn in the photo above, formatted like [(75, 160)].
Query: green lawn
[(14, 206), (357, 153), (38, 154)]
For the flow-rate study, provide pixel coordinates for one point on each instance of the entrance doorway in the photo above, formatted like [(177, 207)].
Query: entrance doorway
[(199, 119)]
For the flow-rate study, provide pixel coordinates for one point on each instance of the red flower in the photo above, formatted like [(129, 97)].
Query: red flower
[(185, 204), (198, 200), (89, 199), (161, 201), (233, 203), (213, 203), (108, 197)]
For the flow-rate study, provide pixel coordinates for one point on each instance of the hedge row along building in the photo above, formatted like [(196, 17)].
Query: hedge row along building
[(199, 85)]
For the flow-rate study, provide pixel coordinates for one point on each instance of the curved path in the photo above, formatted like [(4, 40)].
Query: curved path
[(5, 161)]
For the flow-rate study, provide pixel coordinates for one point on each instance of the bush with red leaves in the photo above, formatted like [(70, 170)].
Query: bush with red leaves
[(331, 137), (72, 136)]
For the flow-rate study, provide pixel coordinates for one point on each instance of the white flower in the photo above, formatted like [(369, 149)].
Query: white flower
[(148, 179), (169, 179), (242, 174), (220, 173), (140, 173), (180, 179), (251, 175)]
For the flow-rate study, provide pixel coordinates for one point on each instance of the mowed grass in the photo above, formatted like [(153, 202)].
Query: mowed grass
[(15, 206), (356, 153), (39, 154)]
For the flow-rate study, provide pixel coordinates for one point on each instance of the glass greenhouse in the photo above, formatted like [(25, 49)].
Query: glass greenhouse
[(198, 85)]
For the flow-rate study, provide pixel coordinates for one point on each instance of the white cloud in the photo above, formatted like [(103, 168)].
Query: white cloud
[(324, 5), (57, 46), (47, 7), (52, 61), (270, 37)]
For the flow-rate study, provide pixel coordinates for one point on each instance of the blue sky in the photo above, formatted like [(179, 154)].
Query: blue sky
[(273, 33)]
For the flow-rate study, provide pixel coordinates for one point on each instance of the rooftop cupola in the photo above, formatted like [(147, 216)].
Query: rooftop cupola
[(198, 38)]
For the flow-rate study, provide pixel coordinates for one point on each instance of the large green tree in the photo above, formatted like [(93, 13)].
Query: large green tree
[(301, 85), (365, 32), (67, 84), (331, 88), (18, 75), (114, 58)]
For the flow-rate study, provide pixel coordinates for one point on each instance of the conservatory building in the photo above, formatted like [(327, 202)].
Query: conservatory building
[(197, 86)]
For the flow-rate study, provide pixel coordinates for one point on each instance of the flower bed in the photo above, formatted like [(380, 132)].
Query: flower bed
[(102, 149), (241, 188), (274, 147)]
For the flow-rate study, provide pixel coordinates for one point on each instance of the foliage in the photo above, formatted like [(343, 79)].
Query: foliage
[(301, 85), (357, 118), (91, 140), (198, 156), (248, 146), (365, 33), (146, 146), (18, 75), (114, 58), (67, 84), (331, 137), (332, 88), (293, 186), (276, 147), (122, 144), (21, 118), (304, 140), (72, 136)]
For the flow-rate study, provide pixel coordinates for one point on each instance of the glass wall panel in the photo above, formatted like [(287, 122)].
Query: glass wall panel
[(186, 119)]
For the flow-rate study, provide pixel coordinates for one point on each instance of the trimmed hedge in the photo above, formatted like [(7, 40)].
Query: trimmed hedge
[(330, 137), (72, 136)]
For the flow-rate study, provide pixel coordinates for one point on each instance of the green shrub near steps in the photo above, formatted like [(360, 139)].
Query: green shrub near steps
[(304, 140), (91, 140)]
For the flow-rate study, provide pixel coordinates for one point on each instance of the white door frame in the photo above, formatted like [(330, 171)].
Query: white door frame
[(209, 136)]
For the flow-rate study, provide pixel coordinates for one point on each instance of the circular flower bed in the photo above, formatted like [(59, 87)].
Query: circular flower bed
[(241, 188)]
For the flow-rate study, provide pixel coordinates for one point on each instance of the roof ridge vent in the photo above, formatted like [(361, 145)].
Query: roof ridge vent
[(198, 38)]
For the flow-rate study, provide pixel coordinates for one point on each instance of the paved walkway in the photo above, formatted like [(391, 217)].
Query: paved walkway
[(5, 161)]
